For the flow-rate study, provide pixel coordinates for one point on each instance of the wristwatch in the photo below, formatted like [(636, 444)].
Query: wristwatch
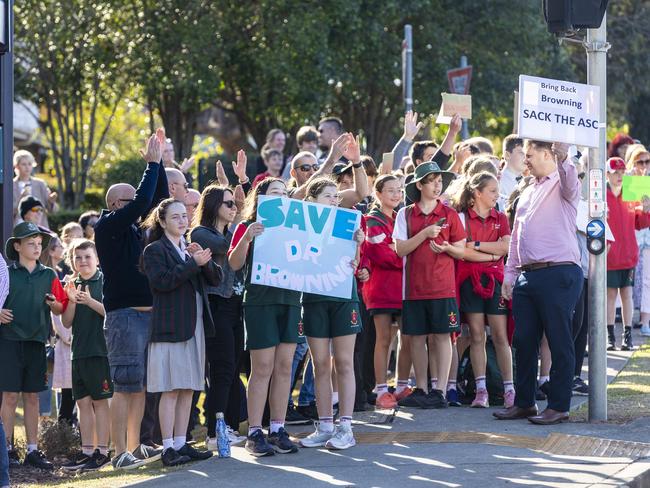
[(477, 244), (357, 165)]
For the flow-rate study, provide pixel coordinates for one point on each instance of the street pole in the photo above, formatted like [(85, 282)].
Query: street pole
[(408, 67), (6, 121), (464, 134), (597, 46)]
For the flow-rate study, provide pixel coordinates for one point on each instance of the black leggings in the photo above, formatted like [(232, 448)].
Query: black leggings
[(224, 354)]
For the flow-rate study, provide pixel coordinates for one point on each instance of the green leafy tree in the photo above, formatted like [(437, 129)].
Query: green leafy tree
[(73, 58)]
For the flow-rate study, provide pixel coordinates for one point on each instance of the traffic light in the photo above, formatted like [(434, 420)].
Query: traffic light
[(564, 16)]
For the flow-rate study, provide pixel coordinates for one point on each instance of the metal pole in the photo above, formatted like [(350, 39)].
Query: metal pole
[(408, 67), (7, 127), (596, 46), (464, 134)]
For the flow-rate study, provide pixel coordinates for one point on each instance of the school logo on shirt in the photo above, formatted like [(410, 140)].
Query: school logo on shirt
[(497, 226), (301, 328), (453, 319), (354, 318), (105, 387)]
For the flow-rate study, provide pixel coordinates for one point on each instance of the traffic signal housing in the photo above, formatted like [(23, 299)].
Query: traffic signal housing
[(566, 16)]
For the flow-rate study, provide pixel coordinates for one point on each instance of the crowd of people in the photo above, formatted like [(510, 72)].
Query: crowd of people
[(459, 252)]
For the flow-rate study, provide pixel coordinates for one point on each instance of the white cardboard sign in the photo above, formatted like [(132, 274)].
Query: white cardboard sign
[(558, 111)]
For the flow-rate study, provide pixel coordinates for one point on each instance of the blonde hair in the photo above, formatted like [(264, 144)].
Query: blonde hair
[(22, 154), (632, 153)]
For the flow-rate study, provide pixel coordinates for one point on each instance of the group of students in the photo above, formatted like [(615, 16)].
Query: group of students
[(429, 268)]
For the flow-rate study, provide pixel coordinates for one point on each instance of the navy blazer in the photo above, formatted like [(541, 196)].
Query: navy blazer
[(174, 284)]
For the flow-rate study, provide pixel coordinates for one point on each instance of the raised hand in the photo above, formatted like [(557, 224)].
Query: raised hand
[(187, 164), (239, 166), (339, 146), (353, 150), (153, 147), (456, 124), (240, 197), (221, 174), (560, 151), (411, 125)]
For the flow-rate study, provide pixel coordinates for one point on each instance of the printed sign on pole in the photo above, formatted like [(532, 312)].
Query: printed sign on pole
[(305, 246), (559, 111), (459, 80)]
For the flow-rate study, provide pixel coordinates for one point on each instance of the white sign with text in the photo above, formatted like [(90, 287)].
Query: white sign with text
[(558, 111)]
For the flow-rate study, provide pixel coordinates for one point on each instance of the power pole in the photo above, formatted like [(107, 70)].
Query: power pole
[(407, 67), (597, 47), (6, 118)]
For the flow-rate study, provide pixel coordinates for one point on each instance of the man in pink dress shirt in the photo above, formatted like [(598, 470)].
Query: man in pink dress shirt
[(544, 280)]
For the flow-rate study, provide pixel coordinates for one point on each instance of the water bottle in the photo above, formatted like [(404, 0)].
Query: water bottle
[(223, 442)]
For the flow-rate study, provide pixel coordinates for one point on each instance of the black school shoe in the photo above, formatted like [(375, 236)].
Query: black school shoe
[(77, 461), (310, 411), (434, 399), (193, 453), (627, 340), (96, 462), (37, 459), (414, 400), (281, 443), (170, 457), (294, 417), (14, 460)]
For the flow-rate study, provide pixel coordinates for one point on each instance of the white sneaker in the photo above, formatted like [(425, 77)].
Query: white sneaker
[(645, 330), (211, 444), (342, 438), (318, 438), (234, 437), (126, 460)]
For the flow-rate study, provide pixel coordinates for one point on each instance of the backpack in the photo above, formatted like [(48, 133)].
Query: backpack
[(494, 381)]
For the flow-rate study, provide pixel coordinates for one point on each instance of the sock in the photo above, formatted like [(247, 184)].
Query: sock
[(87, 450), (610, 329), (627, 327), (434, 383), (168, 443), (179, 441), (346, 422), (276, 425), (335, 397), (543, 379), (451, 385), (326, 424), (103, 450), (508, 386), (480, 383), (253, 428), (401, 386), (30, 448), (381, 389)]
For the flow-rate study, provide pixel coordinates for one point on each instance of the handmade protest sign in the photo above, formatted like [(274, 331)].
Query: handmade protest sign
[(305, 246), (454, 104), (558, 111), (635, 188)]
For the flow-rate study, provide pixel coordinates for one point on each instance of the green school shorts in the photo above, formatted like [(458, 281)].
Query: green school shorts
[(436, 316), (331, 319), (23, 365), (91, 376), (620, 278), (269, 325), (470, 302)]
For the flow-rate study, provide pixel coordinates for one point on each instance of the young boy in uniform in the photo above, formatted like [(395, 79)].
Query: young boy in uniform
[(91, 377), (34, 292), (429, 235)]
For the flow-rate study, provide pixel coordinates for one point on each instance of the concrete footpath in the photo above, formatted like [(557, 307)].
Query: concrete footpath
[(457, 447)]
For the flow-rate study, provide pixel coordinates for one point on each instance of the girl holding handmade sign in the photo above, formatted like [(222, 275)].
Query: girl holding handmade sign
[(336, 321), (272, 321), (479, 279)]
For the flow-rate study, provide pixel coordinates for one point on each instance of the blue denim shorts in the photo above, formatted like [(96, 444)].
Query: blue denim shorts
[(127, 333)]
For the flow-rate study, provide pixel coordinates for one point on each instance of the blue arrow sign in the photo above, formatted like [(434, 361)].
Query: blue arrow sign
[(595, 229)]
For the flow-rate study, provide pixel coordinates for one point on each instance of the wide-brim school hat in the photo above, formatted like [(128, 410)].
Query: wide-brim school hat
[(22, 231), (421, 172)]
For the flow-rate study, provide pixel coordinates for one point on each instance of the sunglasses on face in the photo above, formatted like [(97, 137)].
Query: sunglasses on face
[(307, 167), (36, 209), (229, 203), (186, 185)]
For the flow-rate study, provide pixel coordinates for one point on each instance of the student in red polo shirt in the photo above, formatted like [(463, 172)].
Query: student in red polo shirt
[(429, 235), (479, 278), (623, 218)]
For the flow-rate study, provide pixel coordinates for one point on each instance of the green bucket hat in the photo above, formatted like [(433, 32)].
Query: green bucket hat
[(421, 172), (22, 231)]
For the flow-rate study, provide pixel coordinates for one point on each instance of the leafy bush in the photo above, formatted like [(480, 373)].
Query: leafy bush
[(62, 217), (58, 438), (127, 171)]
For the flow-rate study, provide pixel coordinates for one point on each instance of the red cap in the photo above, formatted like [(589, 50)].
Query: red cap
[(614, 164)]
